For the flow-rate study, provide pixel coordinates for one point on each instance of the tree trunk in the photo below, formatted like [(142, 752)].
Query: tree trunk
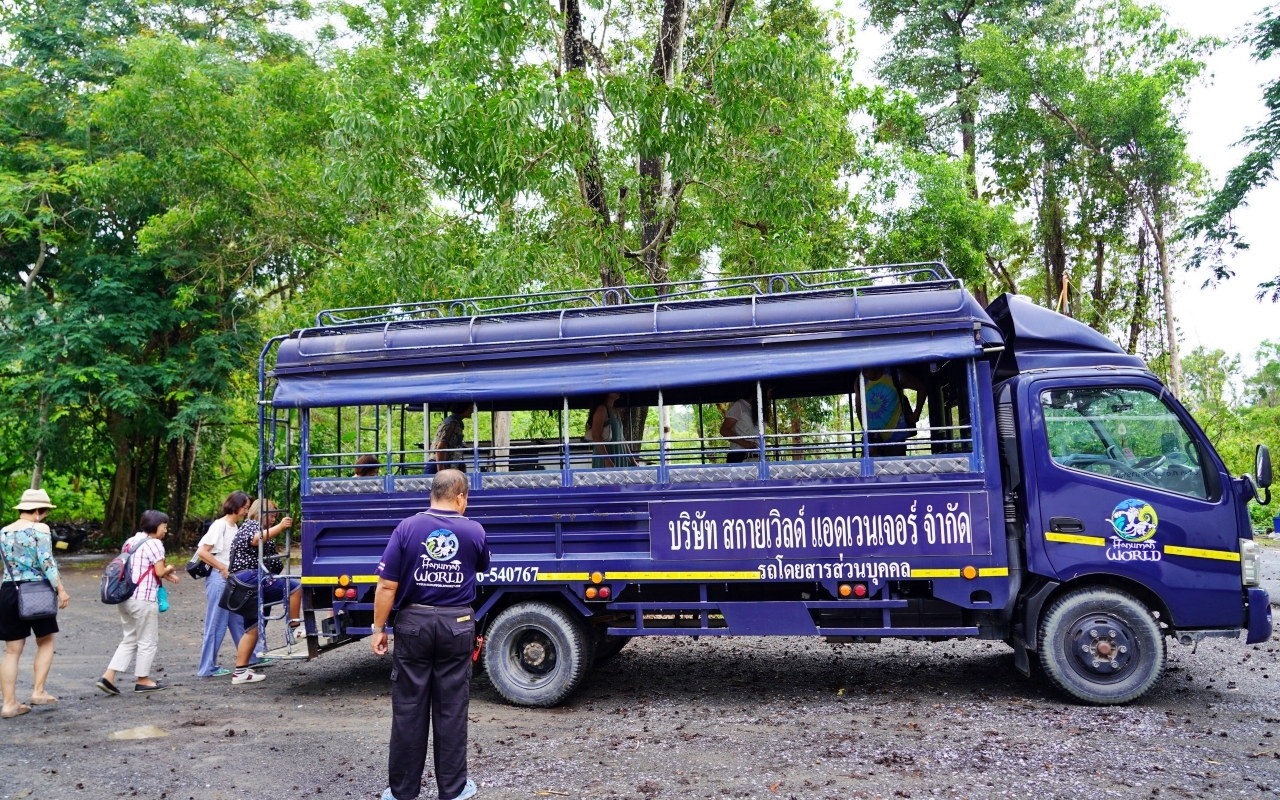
[(37, 472), (590, 178), (181, 459), (153, 477), (115, 517), (1170, 321), (654, 183), (969, 139), (1139, 294), (1055, 254), (1099, 299)]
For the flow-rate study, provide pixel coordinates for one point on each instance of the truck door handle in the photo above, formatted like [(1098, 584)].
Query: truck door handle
[(1065, 525)]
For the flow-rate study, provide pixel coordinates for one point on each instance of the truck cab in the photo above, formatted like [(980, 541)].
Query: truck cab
[(1120, 497)]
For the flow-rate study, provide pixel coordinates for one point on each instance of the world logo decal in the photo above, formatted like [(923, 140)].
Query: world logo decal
[(441, 544), (1134, 520)]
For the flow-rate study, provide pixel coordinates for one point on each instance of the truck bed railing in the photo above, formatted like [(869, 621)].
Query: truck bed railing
[(870, 277)]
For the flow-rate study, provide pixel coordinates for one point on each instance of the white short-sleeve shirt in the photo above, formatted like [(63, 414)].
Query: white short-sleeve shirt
[(744, 427), (220, 536)]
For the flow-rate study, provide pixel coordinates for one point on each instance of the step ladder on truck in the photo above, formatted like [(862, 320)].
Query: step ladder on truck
[(853, 454)]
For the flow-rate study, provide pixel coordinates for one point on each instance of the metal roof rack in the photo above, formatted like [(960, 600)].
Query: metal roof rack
[(890, 277)]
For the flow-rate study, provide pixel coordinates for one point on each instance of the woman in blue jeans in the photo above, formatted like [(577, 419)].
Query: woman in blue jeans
[(215, 550)]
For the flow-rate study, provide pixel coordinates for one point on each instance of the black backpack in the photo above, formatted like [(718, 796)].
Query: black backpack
[(117, 578)]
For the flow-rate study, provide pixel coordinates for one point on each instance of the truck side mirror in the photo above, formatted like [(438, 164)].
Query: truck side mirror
[(1262, 466)]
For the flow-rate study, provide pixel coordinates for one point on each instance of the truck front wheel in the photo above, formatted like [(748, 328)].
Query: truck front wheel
[(1101, 646), (536, 654)]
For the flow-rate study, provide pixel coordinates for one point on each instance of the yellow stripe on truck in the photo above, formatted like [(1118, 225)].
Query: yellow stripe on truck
[(753, 575), (993, 572), (1075, 538), (935, 573), (1196, 552), (564, 576), (325, 580)]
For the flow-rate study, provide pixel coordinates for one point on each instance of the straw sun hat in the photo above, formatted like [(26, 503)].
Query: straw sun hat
[(33, 499)]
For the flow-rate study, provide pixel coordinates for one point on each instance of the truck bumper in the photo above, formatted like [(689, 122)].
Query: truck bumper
[(1259, 616)]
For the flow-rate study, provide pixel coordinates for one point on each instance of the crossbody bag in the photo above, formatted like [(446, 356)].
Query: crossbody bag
[(36, 599)]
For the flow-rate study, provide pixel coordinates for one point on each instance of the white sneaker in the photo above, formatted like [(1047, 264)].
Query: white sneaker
[(248, 677)]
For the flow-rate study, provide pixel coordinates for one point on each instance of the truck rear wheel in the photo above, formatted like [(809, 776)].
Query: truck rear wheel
[(536, 654), (1101, 646)]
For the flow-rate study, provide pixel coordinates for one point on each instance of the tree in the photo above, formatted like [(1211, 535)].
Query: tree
[(571, 147), (1214, 222), (1099, 112), (122, 316)]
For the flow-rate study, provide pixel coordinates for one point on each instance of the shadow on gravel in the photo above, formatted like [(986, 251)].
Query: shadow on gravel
[(748, 670)]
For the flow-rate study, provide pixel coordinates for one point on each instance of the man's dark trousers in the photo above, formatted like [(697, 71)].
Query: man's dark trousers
[(430, 682)]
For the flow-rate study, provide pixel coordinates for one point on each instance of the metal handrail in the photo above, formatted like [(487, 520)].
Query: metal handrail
[(799, 281)]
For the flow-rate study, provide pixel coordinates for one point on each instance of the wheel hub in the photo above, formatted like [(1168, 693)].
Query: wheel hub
[(534, 654), (1103, 646)]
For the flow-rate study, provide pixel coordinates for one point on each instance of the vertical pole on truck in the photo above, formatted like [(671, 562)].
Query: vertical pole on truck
[(662, 439), (567, 477), (426, 437), (389, 479), (702, 436), (867, 468), (475, 445), (763, 462), (853, 426)]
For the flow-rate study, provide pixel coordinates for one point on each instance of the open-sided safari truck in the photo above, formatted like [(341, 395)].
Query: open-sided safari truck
[(919, 467)]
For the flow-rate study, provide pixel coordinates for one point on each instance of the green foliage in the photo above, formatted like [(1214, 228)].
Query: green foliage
[(1213, 223), (1237, 423)]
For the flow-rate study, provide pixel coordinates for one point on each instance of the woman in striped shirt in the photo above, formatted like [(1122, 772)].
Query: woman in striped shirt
[(140, 614)]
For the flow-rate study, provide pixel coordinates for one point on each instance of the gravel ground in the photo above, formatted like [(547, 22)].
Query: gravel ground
[(732, 718)]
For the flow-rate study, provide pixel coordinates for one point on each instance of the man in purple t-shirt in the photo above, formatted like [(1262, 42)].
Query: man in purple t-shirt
[(428, 576)]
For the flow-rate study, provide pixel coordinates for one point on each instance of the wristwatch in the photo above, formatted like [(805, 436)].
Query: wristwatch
[(379, 628)]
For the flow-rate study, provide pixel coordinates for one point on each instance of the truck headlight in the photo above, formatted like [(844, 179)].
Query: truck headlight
[(1250, 563)]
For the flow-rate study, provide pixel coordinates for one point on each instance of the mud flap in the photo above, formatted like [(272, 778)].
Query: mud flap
[(1020, 660)]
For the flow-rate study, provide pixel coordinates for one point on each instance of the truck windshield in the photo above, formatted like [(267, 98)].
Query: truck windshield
[(1128, 434)]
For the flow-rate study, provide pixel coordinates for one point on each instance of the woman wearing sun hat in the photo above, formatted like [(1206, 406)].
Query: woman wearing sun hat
[(28, 553)]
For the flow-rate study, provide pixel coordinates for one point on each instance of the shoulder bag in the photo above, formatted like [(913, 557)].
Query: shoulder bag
[(196, 568), (238, 596), (36, 599)]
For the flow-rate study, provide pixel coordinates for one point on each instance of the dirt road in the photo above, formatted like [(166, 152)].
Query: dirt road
[(761, 718)]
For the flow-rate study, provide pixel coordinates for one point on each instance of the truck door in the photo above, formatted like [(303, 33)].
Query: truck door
[(1127, 485)]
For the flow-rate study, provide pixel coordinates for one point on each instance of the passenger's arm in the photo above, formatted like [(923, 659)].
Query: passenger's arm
[(383, 599), (279, 527), (598, 417), (205, 554), (49, 566), (164, 570)]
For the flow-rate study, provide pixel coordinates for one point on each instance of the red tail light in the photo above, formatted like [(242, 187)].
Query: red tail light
[(859, 590), (604, 592), (351, 594)]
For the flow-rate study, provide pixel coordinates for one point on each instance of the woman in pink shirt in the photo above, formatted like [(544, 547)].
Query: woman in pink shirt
[(140, 614)]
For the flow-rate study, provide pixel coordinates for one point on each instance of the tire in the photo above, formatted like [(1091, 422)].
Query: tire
[(609, 646), (537, 654), (1082, 628)]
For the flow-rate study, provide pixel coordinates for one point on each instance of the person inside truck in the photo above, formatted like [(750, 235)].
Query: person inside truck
[(605, 432), (366, 467), (447, 446), (739, 425), (891, 420)]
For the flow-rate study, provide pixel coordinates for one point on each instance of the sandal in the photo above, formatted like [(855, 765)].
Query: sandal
[(47, 700), (11, 714)]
